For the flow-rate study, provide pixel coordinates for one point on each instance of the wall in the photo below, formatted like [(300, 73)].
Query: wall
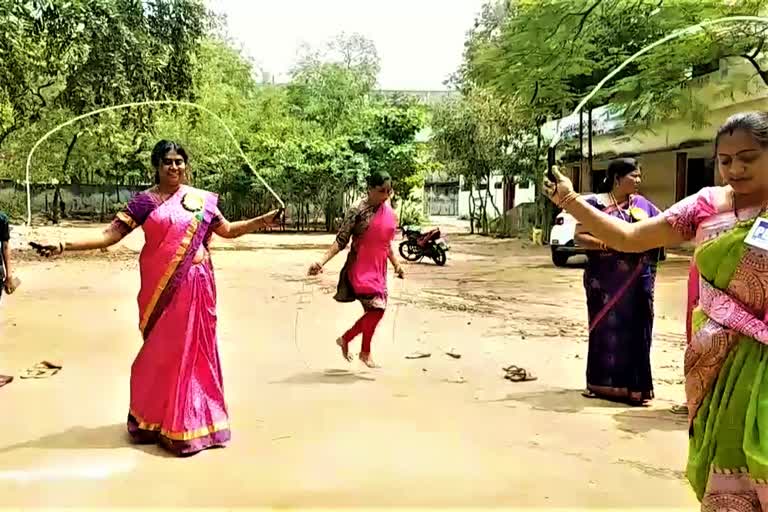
[(78, 199), (659, 174)]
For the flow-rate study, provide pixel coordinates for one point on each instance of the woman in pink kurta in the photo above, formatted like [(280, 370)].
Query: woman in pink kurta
[(371, 224), (177, 393)]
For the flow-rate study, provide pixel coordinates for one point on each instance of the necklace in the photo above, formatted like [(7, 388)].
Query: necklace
[(763, 206), (612, 197)]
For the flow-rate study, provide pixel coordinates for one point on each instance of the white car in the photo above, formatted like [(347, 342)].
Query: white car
[(561, 239)]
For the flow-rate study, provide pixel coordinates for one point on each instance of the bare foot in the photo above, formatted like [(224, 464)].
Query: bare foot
[(344, 349), (368, 361)]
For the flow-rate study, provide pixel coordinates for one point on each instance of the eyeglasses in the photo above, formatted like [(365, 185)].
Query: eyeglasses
[(170, 161)]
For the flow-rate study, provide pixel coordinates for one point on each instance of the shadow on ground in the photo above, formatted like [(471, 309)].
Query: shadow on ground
[(568, 401), (331, 376), (642, 420), (106, 437)]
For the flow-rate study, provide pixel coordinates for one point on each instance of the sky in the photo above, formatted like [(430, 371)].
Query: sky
[(419, 42)]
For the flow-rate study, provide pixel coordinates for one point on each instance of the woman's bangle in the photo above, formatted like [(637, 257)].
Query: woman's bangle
[(61, 247)]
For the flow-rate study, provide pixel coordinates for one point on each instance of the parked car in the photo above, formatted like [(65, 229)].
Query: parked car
[(561, 239)]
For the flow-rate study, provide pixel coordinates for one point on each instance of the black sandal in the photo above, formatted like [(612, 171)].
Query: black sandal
[(518, 374)]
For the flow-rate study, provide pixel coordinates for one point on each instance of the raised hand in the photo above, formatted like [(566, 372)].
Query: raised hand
[(559, 190)]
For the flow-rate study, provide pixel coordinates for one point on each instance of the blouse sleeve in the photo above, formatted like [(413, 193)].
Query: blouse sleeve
[(686, 215), (217, 218), (346, 229), (134, 214)]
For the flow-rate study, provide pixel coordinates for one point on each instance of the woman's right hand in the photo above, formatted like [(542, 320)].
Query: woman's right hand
[(559, 190), (47, 249), (315, 269)]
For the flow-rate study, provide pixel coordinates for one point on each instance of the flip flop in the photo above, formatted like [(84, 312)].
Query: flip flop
[(589, 394), (518, 374), (418, 355), (452, 353), (679, 409), (5, 379), (41, 370)]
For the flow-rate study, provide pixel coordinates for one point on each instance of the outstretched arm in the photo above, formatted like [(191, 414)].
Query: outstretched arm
[(106, 238), (624, 237), (342, 239), (619, 235), (226, 229)]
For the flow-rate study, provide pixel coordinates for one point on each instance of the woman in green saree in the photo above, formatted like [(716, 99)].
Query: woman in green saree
[(726, 360)]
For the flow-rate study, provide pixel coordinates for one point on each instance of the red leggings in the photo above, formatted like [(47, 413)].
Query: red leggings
[(367, 326)]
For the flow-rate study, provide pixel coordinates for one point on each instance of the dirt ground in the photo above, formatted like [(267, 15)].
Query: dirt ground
[(310, 430)]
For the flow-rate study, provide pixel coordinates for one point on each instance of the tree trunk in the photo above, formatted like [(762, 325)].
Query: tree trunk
[(472, 209), (581, 143), (57, 205), (103, 203), (589, 142)]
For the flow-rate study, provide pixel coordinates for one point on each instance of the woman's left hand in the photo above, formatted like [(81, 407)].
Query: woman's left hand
[(400, 272)]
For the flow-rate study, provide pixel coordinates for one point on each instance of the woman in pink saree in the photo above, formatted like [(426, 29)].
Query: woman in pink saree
[(177, 392), (371, 224), (726, 359)]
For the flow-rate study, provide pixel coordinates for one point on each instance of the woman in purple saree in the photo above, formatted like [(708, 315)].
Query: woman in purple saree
[(619, 288), (177, 394)]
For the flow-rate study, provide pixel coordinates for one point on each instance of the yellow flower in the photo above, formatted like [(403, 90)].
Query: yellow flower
[(193, 202), (638, 213)]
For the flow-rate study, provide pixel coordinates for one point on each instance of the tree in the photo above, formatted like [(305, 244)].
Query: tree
[(477, 136), (551, 53), (38, 43)]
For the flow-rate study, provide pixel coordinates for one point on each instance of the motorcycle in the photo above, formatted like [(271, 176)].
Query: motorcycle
[(417, 245)]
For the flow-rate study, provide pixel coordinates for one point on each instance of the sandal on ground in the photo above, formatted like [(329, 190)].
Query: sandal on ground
[(5, 379), (588, 393), (679, 409), (518, 374), (41, 370)]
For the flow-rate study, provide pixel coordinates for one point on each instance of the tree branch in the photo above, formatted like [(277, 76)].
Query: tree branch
[(535, 93), (761, 73), (39, 92), (584, 15)]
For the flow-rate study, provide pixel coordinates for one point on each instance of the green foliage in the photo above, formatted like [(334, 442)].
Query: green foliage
[(314, 140), (550, 53)]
